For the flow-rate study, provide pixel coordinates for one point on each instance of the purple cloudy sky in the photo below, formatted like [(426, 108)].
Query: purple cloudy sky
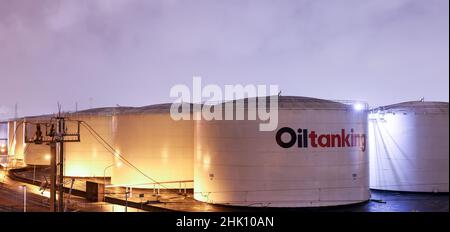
[(133, 52)]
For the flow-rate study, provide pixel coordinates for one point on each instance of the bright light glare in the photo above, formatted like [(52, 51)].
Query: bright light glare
[(47, 157), (46, 194), (119, 164), (358, 106)]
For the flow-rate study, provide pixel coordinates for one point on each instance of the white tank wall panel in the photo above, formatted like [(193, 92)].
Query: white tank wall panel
[(11, 141), (89, 158), (37, 154), (157, 145), (409, 148), (4, 136), (16, 139), (3, 130), (237, 164)]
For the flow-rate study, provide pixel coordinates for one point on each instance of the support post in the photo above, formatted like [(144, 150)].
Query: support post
[(24, 198), (53, 177), (126, 199), (70, 193), (34, 173), (61, 177), (60, 132)]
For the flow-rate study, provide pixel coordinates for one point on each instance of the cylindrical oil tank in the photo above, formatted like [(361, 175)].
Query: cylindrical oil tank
[(154, 148), (90, 156), (409, 147), (315, 157)]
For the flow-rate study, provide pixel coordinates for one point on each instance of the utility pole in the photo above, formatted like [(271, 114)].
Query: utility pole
[(24, 198), (60, 145), (53, 177), (55, 136)]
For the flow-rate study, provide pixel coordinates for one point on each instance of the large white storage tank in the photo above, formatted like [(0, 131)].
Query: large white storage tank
[(87, 158), (409, 148), (36, 154), (236, 164), (158, 146), (90, 157)]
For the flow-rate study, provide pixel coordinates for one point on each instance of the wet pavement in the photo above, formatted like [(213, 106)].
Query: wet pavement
[(11, 198), (177, 200), (388, 201)]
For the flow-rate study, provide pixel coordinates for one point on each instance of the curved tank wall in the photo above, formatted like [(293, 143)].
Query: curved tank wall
[(156, 145), (16, 139), (36, 154), (409, 148), (3, 133), (3, 142), (87, 158), (236, 164)]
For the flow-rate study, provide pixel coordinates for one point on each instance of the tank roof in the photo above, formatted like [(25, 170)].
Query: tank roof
[(164, 107), (312, 103), (103, 111), (154, 109), (284, 102), (416, 106), (296, 102)]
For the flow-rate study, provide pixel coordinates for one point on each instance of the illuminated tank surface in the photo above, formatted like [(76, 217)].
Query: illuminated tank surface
[(236, 164), (160, 148), (409, 147)]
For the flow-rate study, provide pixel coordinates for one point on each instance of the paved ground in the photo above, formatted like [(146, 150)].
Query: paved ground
[(387, 201), (11, 199), (382, 201)]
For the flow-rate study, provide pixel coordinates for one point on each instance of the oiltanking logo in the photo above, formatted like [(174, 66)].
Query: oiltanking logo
[(305, 138)]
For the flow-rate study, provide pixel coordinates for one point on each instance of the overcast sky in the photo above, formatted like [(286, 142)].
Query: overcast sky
[(132, 52)]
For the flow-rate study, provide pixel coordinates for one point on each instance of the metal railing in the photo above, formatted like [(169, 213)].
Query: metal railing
[(182, 186)]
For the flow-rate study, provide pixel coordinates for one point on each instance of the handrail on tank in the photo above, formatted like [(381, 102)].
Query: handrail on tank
[(159, 182), (156, 185)]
